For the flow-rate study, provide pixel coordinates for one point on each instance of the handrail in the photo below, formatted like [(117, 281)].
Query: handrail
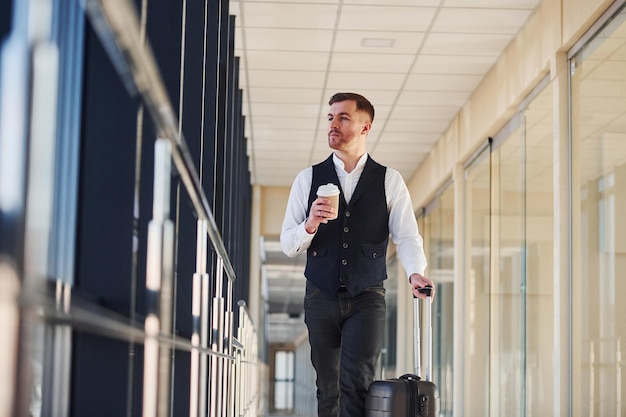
[(117, 25), (103, 322)]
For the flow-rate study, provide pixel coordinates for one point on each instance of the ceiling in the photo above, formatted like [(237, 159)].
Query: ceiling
[(418, 61)]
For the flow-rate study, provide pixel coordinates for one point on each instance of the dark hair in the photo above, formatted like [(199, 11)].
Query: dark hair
[(362, 103)]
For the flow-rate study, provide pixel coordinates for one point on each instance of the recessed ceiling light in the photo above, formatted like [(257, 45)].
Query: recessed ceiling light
[(377, 42)]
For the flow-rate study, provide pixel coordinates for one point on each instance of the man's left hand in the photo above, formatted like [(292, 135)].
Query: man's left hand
[(419, 281)]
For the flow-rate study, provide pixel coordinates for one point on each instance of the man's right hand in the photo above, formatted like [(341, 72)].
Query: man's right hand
[(320, 211)]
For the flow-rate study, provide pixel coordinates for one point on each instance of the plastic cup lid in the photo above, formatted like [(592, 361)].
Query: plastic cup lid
[(328, 189)]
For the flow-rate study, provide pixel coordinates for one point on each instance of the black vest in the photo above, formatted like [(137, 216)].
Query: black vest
[(351, 250)]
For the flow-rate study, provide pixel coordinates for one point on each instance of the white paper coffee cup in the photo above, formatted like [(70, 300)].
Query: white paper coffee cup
[(331, 192)]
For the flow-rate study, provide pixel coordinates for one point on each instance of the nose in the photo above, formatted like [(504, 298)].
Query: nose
[(332, 123)]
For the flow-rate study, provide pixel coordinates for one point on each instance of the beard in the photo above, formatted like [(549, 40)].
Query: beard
[(336, 141)]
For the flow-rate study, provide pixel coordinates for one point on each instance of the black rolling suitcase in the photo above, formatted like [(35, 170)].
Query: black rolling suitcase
[(408, 395)]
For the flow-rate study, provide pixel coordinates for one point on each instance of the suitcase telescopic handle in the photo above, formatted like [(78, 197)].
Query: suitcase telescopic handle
[(427, 335)]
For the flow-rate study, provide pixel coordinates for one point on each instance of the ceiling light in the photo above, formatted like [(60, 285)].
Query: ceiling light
[(377, 42)]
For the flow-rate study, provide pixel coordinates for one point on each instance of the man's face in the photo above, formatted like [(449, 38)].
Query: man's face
[(346, 125)]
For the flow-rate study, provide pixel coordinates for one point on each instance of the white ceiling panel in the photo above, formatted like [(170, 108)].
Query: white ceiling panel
[(398, 148), (290, 15), (491, 21), (286, 60), (269, 39), (372, 62), (344, 81), (432, 126), (276, 158), (280, 122), (386, 18), (434, 98), (425, 112), (320, 151), (494, 4), (239, 44), (465, 44), (277, 3), (285, 95), (447, 82), (285, 79), (283, 110), (408, 138), (453, 64), (400, 161), (413, 3), (284, 166), (288, 139)]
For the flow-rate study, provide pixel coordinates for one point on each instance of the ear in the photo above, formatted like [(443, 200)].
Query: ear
[(366, 128)]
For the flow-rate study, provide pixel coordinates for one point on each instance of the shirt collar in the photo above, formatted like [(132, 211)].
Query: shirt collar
[(359, 165)]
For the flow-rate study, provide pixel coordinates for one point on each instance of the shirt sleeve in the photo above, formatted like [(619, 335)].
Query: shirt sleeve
[(403, 226), (294, 238)]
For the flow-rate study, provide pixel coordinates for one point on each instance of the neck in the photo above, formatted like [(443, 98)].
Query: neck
[(349, 160)]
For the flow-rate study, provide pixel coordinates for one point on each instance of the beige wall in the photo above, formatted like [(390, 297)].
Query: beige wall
[(273, 203)]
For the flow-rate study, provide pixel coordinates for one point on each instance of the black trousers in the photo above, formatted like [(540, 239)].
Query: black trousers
[(346, 335)]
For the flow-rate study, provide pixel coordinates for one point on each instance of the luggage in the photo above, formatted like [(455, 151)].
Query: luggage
[(408, 395)]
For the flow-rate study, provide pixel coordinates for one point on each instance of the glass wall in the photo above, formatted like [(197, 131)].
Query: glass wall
[(476, 273), (507, 301), (438, 234), (539, 247), (508, 264), (598, 82)]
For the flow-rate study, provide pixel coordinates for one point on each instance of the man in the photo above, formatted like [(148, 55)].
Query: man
[(344, 305)]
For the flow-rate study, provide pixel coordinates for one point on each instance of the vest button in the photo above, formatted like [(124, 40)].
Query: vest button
[(347, 214), (374, 255), (345, 246), (344, 262), (346, 229), (314, 253)]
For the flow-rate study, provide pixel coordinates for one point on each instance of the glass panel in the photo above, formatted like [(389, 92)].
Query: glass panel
[(387, 362), (509, 262), (540, 254), (440, 254), (507, 277), (599, 144), (284, 380), (476, 281)]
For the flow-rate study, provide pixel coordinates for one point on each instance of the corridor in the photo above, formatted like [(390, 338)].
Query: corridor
[(147, 152)]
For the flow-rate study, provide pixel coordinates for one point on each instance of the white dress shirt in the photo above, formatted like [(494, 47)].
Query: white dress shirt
[(294, 239)]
